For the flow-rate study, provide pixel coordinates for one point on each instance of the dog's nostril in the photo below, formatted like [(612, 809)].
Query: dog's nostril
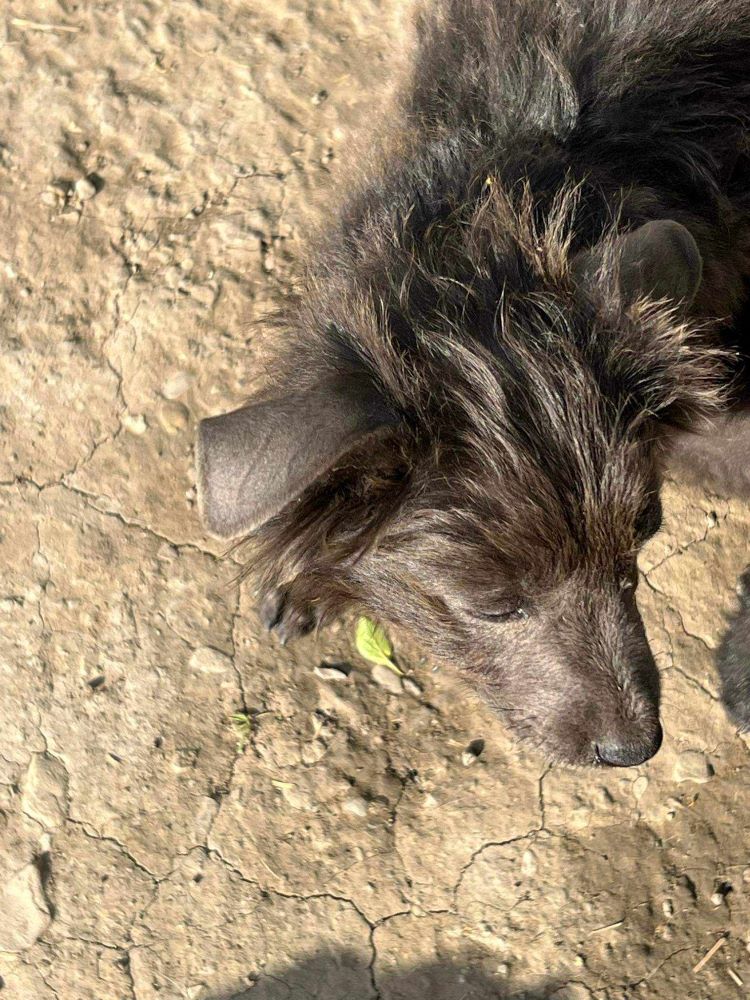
[(629, 753)]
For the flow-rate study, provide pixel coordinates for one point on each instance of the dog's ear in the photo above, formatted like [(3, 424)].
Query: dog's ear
[(255, 460), (660, 260)]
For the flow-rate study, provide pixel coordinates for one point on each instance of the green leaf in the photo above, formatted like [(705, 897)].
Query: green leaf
[(243, 727), (372, 643)]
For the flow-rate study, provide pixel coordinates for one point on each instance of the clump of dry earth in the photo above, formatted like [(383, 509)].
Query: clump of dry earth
[(158, 162)]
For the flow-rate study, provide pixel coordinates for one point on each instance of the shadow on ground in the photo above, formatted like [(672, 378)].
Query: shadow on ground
[(345, 976)]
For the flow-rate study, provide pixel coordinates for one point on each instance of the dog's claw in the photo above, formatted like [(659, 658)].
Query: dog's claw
[(280, 615)]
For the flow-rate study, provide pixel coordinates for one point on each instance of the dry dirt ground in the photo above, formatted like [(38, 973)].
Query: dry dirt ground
[(158, 162)]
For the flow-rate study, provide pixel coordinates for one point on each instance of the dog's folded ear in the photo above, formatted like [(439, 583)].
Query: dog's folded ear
[(660, 260), (255, 460)]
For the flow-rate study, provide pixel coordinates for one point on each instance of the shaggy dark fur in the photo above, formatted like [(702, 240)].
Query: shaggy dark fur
[(471, 288)]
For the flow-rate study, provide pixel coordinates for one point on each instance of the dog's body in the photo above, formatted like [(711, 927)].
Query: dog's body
[(493, 346)]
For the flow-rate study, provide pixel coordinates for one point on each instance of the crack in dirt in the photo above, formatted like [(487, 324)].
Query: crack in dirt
[(302, 897), (681, 549), (480, 850), (88, 500), (86, 829)]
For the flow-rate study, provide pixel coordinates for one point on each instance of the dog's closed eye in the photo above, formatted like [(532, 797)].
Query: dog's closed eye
[(516, 613)]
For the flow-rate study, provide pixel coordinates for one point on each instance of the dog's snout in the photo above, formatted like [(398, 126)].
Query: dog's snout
[(629, 752)]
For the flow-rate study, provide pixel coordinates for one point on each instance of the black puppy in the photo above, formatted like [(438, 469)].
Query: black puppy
[(491, 346)]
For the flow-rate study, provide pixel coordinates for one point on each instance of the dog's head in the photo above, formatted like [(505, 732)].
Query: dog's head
[(490, 492)]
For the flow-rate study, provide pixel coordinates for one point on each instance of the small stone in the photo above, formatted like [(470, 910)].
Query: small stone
[(313, 751), (85, 189), (717, 898), (639, 786), (45, 791), (356, 806), (210, 661), (667, 908), (173, 417), (411, 687), (385, 678), (474, 750), (49, 198), (692, 765), (503, 969), (746, 876), (25, 913), (328, 672), (528, 863), (135, 423), (176, 385)]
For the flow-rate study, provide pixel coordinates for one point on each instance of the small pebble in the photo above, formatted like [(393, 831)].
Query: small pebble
[(173, 417), (692, 765), (313, 751), (667, 908), (355, 806), (746, 876), (49, 198), (411, 687), (135, 423), (528, 863), (473, 751), (640, 785), (85, 189), (176, 385), (717, 898), (385, 678), (329, 673)]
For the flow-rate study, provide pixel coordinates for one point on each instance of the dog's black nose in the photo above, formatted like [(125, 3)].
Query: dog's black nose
[(629, 753)]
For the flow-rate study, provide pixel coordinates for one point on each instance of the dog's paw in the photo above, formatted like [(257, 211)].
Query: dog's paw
[(287, 619), (733, 660)]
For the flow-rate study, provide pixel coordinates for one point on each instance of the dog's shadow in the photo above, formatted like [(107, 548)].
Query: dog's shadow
[(346, 976), (733, 659)]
